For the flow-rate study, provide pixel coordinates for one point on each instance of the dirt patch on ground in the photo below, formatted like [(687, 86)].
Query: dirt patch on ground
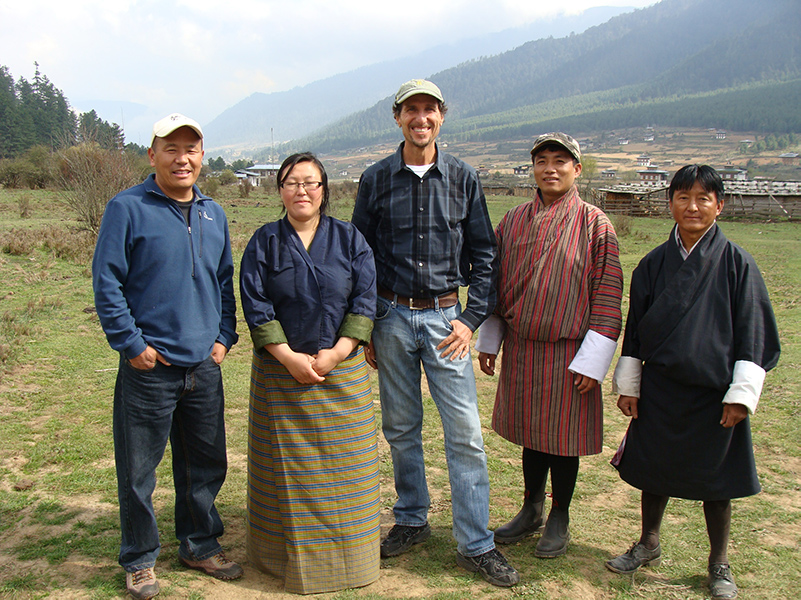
[(73, 577)]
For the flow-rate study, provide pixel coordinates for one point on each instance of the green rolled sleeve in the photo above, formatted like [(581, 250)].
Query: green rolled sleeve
[(270, 332), (357, 327)]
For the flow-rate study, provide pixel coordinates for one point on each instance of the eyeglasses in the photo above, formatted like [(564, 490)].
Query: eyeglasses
[(309, 186)]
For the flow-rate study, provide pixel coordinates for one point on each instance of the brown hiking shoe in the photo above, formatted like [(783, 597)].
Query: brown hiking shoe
[(142, 584), (217, 566)]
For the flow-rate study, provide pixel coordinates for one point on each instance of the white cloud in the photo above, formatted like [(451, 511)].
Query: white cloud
[(202, 56), (529, 11)]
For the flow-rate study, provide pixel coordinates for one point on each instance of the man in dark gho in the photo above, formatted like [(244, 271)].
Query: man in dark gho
[(699, 339)]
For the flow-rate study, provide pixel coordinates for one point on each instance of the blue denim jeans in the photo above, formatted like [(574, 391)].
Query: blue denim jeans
[(184, 404), (404, 339)]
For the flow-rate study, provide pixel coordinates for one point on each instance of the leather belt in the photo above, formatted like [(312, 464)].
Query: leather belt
[(445, 300)]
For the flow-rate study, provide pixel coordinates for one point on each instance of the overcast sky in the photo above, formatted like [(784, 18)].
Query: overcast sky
[(135, 61)]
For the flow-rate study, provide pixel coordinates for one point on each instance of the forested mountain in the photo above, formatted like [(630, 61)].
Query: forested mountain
[(717, 63), (299, 111)]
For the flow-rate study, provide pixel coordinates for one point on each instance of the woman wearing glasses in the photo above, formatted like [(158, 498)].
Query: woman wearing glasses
[(307, 284)]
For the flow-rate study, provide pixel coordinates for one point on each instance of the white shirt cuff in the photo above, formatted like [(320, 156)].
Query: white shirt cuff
[(594, 356), (490, 335), (746, 385), (627, 377)]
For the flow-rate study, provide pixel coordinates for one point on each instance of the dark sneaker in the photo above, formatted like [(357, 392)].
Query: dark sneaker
[(493, 567), (142, 584), (636, 557), (403, 537), (217, 566), (721, 582)]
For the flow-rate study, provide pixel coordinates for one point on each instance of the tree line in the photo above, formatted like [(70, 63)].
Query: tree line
[(37, 113), (43, 140), (218, 164)]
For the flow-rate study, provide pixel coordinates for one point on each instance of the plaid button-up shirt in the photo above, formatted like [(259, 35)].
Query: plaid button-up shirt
[(432, 235)]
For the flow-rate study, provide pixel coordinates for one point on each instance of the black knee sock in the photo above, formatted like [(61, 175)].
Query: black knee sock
[(535, 474), (564, 472), (718, 524), (653, 509)]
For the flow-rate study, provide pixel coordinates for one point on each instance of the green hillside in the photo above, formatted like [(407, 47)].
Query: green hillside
[(730, 64)]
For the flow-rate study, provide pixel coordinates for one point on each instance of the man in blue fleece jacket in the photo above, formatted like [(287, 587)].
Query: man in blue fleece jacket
[(164, 293)]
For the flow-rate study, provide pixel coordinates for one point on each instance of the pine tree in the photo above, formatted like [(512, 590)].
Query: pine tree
[(92, 128), (9, 115)]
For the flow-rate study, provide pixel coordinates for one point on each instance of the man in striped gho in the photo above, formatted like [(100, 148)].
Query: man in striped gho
[(558, 318)]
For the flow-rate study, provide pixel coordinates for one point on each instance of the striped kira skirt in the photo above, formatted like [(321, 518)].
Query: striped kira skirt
[(313, 484)]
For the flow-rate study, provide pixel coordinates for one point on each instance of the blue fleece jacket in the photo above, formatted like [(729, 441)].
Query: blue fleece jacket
[(160, 282)]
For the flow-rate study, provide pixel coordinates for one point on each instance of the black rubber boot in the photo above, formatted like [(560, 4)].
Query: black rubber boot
[(526, 522), (556, 536)]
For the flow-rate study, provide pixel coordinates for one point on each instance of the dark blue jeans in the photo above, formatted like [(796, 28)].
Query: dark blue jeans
[(184, 404)]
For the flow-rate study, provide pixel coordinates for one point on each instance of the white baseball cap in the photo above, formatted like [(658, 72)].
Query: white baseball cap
[(170, 123)]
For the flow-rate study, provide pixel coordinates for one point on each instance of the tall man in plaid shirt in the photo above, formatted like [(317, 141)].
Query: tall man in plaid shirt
[(424, 215)]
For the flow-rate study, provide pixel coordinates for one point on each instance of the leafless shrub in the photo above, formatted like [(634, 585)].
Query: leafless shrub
[(91, 176), (343, 196)]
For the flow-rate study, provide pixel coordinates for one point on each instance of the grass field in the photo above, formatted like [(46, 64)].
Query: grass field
[(58, 514)]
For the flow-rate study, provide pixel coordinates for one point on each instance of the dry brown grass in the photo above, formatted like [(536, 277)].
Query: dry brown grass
[(66, 243)]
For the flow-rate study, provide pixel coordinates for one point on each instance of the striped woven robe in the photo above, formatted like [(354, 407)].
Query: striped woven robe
[(559, 277)]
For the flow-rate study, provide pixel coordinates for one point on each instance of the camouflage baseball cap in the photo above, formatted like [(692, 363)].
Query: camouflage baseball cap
[(557, 137)]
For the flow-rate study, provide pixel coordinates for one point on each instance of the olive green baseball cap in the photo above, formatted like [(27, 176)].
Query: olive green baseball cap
[(557, 137), (417, 86)]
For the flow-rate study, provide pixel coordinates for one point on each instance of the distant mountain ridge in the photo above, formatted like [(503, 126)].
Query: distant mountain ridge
[(644, 63), (299, 111)]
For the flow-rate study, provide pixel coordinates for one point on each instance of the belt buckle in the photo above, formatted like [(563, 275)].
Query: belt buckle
[(411, 304)]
